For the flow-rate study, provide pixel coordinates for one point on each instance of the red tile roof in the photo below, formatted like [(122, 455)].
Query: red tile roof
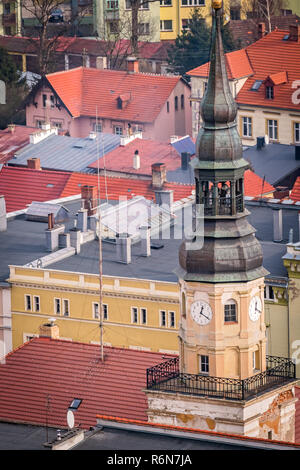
[(13, 140), (116, 187), (295, 193), (237, 65), (255, 186), (64, 370), (82, 90), (261, 58), (150, 151), (21, 186)]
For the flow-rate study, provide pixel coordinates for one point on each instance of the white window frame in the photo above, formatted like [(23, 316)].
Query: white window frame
[(55, 305), (133, 313), (28, 296), (161, 312), (193, 3), (267, 295), (66, 312), (141, 316), (206, 364), (145, 30), (162, 25), (297, 131), (231, 302), (117, 126), (273, 129), (170, 313), (247, 124), (163, 3), (34, 303), (97, 126), (96, 315)]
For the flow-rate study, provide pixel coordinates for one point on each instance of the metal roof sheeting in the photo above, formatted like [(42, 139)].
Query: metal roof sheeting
[(58, 152)]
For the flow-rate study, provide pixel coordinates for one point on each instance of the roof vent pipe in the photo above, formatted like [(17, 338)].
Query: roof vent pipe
[(277, 225)]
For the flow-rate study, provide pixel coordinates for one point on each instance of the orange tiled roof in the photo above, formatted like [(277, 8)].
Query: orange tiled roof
[(11, 141), (295, 194), (271, 56), (87, 92), (255, 186)]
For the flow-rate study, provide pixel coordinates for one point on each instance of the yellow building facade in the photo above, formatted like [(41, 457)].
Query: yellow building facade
[(138, 314)]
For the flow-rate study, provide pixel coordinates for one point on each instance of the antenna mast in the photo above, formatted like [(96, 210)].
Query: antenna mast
[(100, 251)]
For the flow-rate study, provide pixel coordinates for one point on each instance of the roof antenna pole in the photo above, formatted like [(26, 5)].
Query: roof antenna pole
[(100, 252)]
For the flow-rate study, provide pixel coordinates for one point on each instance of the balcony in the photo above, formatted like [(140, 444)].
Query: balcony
[(166, 377), (9, 19)]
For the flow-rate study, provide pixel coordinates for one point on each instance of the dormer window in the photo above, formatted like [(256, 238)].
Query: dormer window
[(269, 92)]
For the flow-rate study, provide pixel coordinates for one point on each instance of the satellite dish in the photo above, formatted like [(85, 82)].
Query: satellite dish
[(70, 419)]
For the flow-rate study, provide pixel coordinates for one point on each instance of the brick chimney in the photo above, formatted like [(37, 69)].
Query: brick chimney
[(132, 65), (11, 127), (261, 30), (34, 163), (89, 199), (294, 33), (159, 175), (49, 330)]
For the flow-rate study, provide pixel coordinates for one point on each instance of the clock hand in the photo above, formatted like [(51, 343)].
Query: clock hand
[(204, 315)]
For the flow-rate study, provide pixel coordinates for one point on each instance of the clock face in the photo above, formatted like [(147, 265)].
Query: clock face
[(201, 312), (255, 308)]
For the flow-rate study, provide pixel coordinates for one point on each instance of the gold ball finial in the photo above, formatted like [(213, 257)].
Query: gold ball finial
[(217, 4)]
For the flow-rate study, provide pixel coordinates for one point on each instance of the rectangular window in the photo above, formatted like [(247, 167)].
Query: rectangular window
[(247, 126), (185, 23), (36, 303), (105, 311), (176, 103), (27, 302), (66, 307), (204, 364), (96, 313), (273, 129), (255, 360), (39, 123), (112, 5), (269, 293), (166, 25), (143, 316), (118, 130), (165, 3), (57, 308), (44, 101), (297, 132), (230, 312), (144, 28), (134, 315), (163, 320), (192, 3), (168, 107), (171, 319), (269, 92), (97, 127), (182, 101), (52, 101)]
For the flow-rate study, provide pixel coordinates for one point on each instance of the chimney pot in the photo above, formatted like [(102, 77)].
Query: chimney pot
[(159, 175), (89, 199), (49, 330), (261, 30), (132, 65)]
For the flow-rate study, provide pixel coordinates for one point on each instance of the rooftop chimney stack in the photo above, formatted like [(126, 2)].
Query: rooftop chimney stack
[(132, 65), (277, 225), (123, 248), (294, 33), (89, 199), (145, 232), (34, 163), (3, 220), (49, 330), (11, 127), (136, 160), (50, 221), (261, 30), (101, 63), (159, 175)]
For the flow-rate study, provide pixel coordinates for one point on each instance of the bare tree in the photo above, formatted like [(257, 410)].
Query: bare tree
[(46, 41), (136, 5), (263, 10)]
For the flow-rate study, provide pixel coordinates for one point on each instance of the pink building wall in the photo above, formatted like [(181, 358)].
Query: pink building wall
[(169, 122)]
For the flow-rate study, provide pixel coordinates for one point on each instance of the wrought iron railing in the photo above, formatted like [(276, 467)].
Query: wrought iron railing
[(166, 377)]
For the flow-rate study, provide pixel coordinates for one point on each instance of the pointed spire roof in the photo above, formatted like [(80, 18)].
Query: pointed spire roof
[(218, 143)]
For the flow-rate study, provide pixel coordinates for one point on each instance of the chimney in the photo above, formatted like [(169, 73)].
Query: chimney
[(11, 127), (277, 225), (136, 160), (159, 175), (260, 143), (165, 198), (145, 232), (89, 199), (123, 248), (297, 152), (82, 220), (49, 330), (52, 234), (185, 159), (132, 65), (3, 220), (34, 163), (261, 30), (101, 63), (294, 33)]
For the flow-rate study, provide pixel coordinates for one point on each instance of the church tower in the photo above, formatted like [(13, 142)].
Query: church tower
[(222, 379)]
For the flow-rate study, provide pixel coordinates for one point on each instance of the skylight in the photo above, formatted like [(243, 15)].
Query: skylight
[(256, 85), (286, 37), (75, 404)]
